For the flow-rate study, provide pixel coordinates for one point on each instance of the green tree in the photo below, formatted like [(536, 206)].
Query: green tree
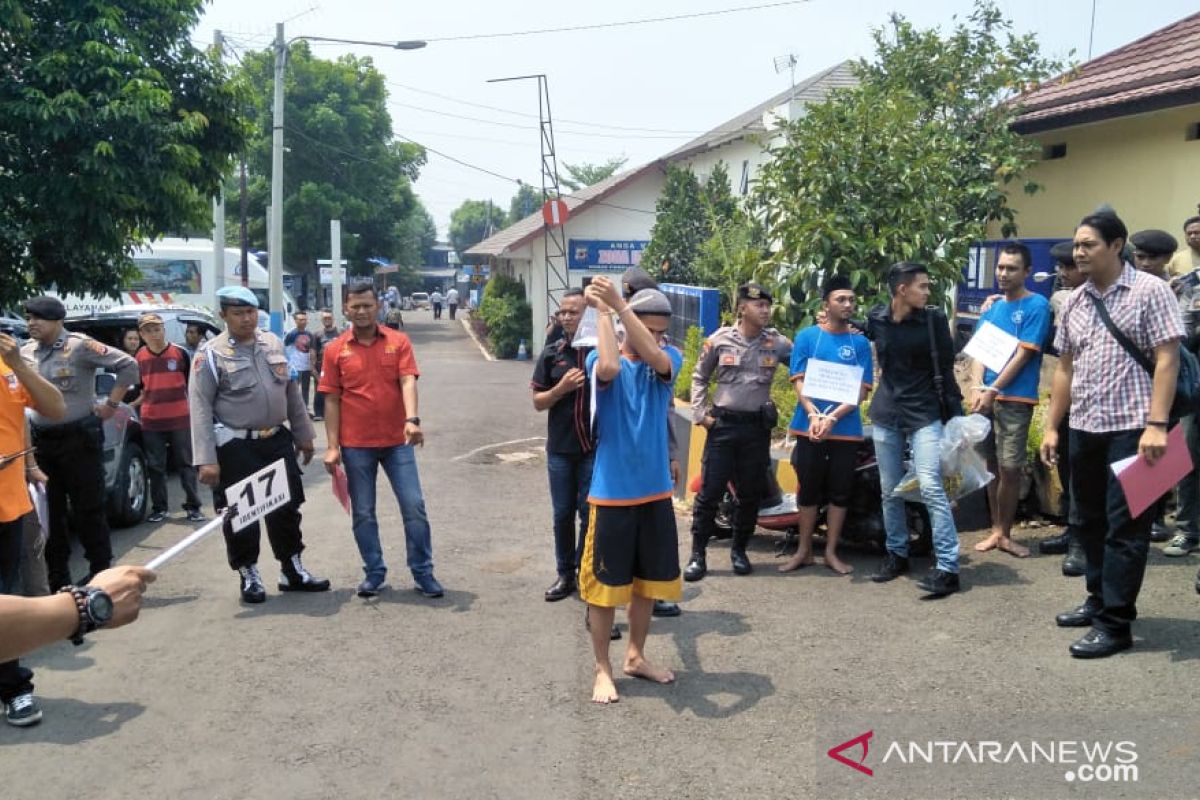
[(681, 227), (582, 175), (342, 160), (526, 201), (418, 233), (474, 221), (912, 164), (113, 129)]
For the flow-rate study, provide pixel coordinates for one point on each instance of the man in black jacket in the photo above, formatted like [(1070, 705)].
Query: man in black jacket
[(907, 411)]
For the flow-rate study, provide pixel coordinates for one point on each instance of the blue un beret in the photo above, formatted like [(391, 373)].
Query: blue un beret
[(236, 296)]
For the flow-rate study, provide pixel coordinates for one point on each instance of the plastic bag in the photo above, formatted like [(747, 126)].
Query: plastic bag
[(963, 469)]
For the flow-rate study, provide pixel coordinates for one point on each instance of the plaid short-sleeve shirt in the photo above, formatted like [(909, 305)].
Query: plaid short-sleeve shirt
[(1110, 391)]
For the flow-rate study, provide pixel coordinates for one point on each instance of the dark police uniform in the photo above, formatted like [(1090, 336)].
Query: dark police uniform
[(738, 444), (71, 450), (240, 395)]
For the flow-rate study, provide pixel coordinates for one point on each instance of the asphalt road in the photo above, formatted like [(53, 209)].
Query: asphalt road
[(484, 694)]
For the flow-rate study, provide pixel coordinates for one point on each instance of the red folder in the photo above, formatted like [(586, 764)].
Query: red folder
[(341, 488), (1144, 483)]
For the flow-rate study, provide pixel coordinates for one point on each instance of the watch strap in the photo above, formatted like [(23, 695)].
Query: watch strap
[(86, 625)]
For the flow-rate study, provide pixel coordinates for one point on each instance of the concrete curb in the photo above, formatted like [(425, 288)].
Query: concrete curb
[(466, 323)]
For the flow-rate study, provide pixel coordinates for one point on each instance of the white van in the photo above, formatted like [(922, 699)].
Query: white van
[(174, 272)]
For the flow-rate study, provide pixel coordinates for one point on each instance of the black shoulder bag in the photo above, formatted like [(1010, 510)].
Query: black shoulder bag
[(947, 408), (1187, 384)]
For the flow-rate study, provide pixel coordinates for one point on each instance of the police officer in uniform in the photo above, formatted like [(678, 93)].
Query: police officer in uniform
[(744, 358), (240, 395), (70, 450)]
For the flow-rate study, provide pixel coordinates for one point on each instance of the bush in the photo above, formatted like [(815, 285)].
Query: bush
[(691, 354), (508, 318)]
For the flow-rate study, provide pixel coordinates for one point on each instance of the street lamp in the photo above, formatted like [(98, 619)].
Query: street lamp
[(275, 246)]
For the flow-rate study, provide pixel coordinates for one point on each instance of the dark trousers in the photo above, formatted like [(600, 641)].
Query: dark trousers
[(318, 404), (453, 309), (14, 679), (71, 455), (241, 458), (161, 448), (570, 481), (437, 310), (305, 376), (737, 451), (1114, 543)]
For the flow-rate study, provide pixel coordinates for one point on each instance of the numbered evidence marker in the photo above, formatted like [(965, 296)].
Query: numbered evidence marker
[(259, 494)]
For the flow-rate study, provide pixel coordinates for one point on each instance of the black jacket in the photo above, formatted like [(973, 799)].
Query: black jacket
[(906, 398)]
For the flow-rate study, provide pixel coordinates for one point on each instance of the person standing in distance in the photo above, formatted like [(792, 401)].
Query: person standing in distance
[(71, 449), (324, 337), (739, 421), (435, 300), (452, 301), (369, 377), (298, 344), (240, 395)]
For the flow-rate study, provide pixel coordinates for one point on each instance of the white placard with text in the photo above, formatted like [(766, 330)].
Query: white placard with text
[(259, 494), (992, 347), (828, 380)]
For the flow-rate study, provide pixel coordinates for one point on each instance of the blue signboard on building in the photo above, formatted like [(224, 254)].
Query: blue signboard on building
[(602, 254)]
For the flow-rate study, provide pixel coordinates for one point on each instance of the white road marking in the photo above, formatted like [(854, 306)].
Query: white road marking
[(496, 446)]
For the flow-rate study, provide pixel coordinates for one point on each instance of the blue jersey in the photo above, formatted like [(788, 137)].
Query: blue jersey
[(851, 349), (632, 464), (1029, 320)]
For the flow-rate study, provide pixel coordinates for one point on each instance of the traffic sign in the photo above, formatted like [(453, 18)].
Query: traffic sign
[(555, 212)]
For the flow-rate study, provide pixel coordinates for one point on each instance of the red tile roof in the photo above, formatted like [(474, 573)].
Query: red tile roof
[(1160, 70)]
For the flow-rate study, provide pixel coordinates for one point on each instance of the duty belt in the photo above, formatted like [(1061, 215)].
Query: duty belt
[(246, 433), (748, 417)]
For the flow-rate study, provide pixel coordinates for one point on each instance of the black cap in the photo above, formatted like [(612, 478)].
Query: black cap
[(634, 279), (45, 307), (753, 291), (1064, 252), (837, 283), (1154, 242)]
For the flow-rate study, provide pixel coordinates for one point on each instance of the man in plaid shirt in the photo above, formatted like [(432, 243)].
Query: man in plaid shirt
[(1117, 410)]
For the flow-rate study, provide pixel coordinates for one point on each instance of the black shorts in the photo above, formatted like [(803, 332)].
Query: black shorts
[(630, 550), (824, 470)]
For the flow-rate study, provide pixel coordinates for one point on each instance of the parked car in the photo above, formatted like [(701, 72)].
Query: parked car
[(126, 480), (14, 325), (420, 300)]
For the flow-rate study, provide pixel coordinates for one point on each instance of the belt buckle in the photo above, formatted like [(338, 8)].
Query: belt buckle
[(263, 433)]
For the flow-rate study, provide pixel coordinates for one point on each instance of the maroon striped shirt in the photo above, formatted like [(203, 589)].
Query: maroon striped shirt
[(164, 389)]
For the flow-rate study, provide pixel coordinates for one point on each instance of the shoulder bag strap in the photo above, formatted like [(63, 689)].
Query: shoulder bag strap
[(937, 365), (1121, 338)]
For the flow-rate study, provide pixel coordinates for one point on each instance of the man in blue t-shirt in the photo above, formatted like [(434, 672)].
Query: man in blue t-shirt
[(631, 551), (1010, 396), (827, 433)]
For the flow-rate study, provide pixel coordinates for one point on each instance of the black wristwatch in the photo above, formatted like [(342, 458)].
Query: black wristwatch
[(414, 420), (95, 610)]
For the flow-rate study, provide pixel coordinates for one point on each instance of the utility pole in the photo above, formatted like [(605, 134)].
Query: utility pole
[(217, 279), (275, 246), (245, 234)]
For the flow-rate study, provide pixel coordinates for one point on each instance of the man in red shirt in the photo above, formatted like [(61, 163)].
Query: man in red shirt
[(369, 378), (166, 423)]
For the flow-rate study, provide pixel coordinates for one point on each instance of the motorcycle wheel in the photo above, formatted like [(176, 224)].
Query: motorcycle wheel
[(920, 529)]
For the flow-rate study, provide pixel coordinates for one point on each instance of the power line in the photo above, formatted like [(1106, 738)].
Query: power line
[(606, 25), (468, 118)]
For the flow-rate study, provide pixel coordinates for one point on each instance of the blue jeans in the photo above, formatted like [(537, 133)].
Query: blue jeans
[(889, 452), (400, 466), (570, 481)]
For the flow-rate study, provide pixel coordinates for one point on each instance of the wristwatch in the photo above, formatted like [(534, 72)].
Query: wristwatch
[(95, 610), (414, 420)]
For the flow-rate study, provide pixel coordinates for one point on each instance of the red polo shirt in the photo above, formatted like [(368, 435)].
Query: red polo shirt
[(367, 378)]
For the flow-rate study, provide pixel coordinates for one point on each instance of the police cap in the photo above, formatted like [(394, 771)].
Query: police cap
[(236, 296), (634, 279), (45, 307), (1064, 252), (1154, 242), (753, 291)]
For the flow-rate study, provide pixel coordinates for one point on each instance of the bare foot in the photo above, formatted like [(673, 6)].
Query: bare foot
[(603, 690), (989, 543), (641, 668), (837, 565), (1013, 549), (801, 559)]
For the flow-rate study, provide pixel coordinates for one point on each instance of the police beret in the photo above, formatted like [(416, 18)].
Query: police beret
[(1154, 242), (650, 301), (837, 283), (753, 291), (45, 307), (149, 319), (236, 296), (634, 279), (1063, 252)]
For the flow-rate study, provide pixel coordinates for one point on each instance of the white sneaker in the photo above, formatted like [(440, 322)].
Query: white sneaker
[(23, 711)]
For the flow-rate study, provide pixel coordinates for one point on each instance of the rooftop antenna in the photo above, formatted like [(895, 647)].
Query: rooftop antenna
[(787, 62)]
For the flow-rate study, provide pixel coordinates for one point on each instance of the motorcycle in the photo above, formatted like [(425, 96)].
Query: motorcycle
[(864, 516)]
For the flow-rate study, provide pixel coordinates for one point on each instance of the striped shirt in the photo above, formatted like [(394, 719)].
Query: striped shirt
[(1110, 391), (164, 389)]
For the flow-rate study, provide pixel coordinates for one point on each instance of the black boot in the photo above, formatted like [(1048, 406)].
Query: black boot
[(297, 579), (737, 554), (1074, 562), (253, 590), (1055, 545), (697, 567)]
